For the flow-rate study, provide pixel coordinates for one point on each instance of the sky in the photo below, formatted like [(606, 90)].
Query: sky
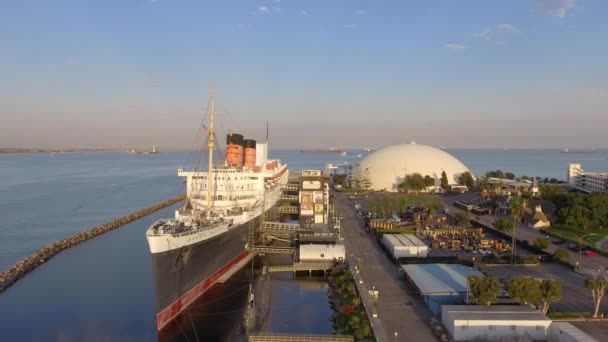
[(133, 73)]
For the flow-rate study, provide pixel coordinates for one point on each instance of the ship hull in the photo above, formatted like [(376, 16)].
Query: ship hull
[(183, 274)]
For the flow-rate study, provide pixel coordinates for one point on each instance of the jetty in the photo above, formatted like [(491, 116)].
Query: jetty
[(28, 264)]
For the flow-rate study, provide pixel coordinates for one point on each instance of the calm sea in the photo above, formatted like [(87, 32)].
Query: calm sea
[(102, 289)]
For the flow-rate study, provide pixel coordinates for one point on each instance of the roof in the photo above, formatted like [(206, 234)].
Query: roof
[(493, 313), (404, 240), (388, 165), (440, 279)]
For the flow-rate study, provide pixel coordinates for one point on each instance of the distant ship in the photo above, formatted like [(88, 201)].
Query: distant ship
[(319, 150), (593, 150), (209, 234), (134, 151)]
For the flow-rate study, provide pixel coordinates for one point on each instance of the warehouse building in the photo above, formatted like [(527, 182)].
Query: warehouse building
[(440, 284), (405, 246), (495, 323)]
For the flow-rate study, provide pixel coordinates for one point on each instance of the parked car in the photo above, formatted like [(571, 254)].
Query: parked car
[(555, 240), (590, 253), (573, 246)]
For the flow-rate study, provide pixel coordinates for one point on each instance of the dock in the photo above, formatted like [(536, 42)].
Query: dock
[(303, 266), (268, 337)]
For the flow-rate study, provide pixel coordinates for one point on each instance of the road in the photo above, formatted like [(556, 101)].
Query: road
[(589, 265), (398, 311)]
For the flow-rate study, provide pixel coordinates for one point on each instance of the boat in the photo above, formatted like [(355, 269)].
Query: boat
[(209, 235)]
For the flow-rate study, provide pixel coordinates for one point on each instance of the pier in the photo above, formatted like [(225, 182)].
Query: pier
[(303, 266), (280, 227), (298, 338), (272, 250)]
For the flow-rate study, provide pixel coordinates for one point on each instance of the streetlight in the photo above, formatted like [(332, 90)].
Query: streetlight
[(580, 249), (396, 336)]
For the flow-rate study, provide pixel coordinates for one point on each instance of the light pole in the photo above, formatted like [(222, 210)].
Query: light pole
[(396, 336), (580, 249)]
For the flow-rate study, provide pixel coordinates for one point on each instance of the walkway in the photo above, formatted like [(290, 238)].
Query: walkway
[(398, 311)]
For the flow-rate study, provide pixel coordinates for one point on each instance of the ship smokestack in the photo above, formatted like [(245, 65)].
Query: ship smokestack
[(250, 152), (234, 149)]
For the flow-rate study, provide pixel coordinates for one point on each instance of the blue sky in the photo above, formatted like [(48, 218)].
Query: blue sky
[(121, 73)]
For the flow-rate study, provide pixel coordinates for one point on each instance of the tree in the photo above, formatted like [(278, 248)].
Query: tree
[(483, 290), (516, 206), (598, 286), (509, 175), (466, 179), (550, 292), (504, 225), (444, 181), (413, 182), (562, 254), (541, 243), (429, 181), (495, 174), (525, 290), (464, 219)]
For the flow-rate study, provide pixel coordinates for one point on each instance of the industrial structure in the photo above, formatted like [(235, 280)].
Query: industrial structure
[(405, 246), (495, 323), (387, 167), (440, 284)]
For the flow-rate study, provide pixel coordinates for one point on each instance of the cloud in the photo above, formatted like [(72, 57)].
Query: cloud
[(555, 8), (455, 47), (360, 12), (483, 34), (263, 10), (507, 28)]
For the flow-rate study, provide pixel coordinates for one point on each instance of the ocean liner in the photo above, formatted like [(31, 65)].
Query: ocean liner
[(208, 235)]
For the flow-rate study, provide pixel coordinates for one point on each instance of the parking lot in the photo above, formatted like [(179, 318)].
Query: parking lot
[(575, 297)]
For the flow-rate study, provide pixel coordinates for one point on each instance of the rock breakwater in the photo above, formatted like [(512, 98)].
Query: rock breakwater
[(28, 264)]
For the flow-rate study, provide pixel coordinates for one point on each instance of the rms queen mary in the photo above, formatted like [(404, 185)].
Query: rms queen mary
[(208, 235)]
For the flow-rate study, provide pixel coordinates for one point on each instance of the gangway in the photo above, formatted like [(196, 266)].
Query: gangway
[(290, 187), (280, 226), (270, 337), (288, 209), (290, 198), (272, 250)]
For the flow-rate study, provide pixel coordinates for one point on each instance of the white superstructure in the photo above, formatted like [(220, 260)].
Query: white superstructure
[(590, 181), (222, 198)]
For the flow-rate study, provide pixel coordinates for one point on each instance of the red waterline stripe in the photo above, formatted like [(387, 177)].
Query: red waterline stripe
[(170, 312)]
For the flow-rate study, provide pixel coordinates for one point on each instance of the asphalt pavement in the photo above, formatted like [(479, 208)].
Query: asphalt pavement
[(401, 315)]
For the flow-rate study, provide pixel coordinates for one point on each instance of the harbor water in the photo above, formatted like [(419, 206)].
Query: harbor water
[(103, 289)]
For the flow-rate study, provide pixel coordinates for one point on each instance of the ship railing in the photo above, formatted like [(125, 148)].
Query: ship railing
[(199, 229)]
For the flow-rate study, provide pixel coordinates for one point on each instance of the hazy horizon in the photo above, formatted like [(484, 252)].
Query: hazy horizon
[(347, 74)]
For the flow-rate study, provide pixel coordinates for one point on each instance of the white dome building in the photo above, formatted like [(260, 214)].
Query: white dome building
[(387, 167)]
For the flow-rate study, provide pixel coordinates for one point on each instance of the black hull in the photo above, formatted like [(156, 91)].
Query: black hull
[(180, 270)]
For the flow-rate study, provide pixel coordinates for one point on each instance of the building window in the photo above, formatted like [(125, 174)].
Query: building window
[(513, 327), (491, 327), (539, 327)]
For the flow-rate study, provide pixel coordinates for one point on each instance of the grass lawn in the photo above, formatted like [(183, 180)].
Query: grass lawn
[(576, 233)]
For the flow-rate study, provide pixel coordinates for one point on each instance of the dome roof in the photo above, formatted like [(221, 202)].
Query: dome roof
[(388, 165)]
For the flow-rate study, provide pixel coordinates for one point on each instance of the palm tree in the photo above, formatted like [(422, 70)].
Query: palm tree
[(516, 207)]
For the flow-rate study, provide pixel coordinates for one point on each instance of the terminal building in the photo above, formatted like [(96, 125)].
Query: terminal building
[(313, 197), (588, 181)]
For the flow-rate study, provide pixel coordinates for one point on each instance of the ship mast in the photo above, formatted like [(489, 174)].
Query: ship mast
[(211, 143)]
